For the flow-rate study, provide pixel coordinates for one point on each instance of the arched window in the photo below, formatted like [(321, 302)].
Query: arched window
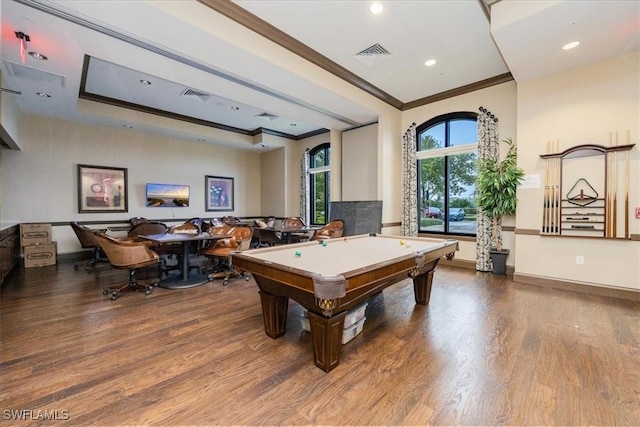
[(447, 156), (319, 196)]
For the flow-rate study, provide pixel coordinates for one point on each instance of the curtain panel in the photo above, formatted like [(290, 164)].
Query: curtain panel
[(305, 184), (488, 147), (409, 183)]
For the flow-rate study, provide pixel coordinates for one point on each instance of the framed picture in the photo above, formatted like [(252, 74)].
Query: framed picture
[(218, 193), (167, 195), (102, 189)]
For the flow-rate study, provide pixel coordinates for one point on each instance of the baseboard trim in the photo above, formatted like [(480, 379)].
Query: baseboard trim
[(627, 294), (470, 265)]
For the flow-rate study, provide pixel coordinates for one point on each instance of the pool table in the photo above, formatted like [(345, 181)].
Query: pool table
[(330, 279)]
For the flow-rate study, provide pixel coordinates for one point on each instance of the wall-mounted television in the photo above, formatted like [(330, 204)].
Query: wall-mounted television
[(167, 195)]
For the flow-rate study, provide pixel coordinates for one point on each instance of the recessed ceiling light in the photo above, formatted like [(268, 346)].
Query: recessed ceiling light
[(44, 95), (145, 82), (430, 62), (376, 8), (37, 55), (570, 45)]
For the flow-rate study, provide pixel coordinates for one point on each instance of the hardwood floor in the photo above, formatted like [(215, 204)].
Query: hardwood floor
[(485, 351)]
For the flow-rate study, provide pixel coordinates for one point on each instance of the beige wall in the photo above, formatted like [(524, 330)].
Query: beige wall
[(581, 106), (360, 163), (41, 179), (500, 100), (272, 182)]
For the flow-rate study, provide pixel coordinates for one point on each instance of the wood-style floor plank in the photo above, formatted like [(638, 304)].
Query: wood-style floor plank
[(485, 351)]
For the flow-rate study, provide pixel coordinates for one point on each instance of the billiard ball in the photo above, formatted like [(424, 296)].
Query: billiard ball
[(298, 254), (401, 242), (324, 243)]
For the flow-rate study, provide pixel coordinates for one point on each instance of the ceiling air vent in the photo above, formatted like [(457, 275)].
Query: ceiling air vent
[(194, 94), (22, 72), (267, 116), (373, 55)]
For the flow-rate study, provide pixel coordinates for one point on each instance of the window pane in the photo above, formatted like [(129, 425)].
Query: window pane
[(432, 138), (321, 158), (463, 132), (461, 215), (319, 198), (431, 194)]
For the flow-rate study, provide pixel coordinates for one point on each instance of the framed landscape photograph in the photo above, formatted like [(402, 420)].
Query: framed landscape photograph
[(218, 193), (167, 195), (102, 189)]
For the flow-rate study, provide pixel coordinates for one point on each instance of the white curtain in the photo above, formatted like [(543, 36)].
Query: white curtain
[(488, 147), (409, 183), (305, 189)]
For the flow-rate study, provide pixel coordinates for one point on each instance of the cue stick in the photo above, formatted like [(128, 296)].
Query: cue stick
[(615, 189), (608, 194), (626, 194), (545, 211), (626, 189), (552, 196), (558, 219)]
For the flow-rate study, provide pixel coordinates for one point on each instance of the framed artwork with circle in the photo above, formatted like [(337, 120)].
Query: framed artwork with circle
[(102, 189)]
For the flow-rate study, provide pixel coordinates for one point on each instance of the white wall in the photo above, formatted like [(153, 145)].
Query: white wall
[(40, 181), (272, 182), (360, 164), (581, 106)]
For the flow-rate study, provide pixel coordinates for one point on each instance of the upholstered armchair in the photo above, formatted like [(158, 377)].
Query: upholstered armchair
[(294, 223), (86, 237), (331, 230), (239, 240), (133, 256), (263, 236)]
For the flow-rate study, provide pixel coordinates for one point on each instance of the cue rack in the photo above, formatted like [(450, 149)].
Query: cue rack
[(586, 190)]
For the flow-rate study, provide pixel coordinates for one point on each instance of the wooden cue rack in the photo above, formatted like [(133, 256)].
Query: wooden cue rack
[(594, 205)]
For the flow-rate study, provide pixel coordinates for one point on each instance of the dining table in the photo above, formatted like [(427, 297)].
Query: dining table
[(288, 232), (186, 279)]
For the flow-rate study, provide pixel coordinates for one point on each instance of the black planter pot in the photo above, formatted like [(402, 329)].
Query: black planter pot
[(499, 261)]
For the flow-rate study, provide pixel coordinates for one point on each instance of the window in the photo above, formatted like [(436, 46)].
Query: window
[(447, 155), (319, 194)]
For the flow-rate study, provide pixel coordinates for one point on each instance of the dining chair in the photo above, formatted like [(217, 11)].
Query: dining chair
[(295, 223), (220, 252), (87, 239), (130, 255), (331, 230)]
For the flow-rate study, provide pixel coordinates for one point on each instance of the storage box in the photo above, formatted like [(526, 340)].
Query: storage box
[(40, 255), (350, 333), (35, 234), (354, 315)]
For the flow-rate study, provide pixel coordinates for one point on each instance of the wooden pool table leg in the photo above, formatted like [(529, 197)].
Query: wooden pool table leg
[(422, 287), (274, 312), (326, 337)]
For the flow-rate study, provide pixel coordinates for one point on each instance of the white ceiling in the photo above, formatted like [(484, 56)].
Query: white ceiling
[(179, 46)]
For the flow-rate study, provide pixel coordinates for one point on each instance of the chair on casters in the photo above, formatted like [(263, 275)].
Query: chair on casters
[(165, 251), (129, 255), (295, 223), (331, 230), (239, 240), (87, 239)]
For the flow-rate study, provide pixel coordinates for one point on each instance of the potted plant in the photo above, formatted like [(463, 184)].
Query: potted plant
[(496, 197)]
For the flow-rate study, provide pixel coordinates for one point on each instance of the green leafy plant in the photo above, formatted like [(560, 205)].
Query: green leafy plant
[(496, 188)]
